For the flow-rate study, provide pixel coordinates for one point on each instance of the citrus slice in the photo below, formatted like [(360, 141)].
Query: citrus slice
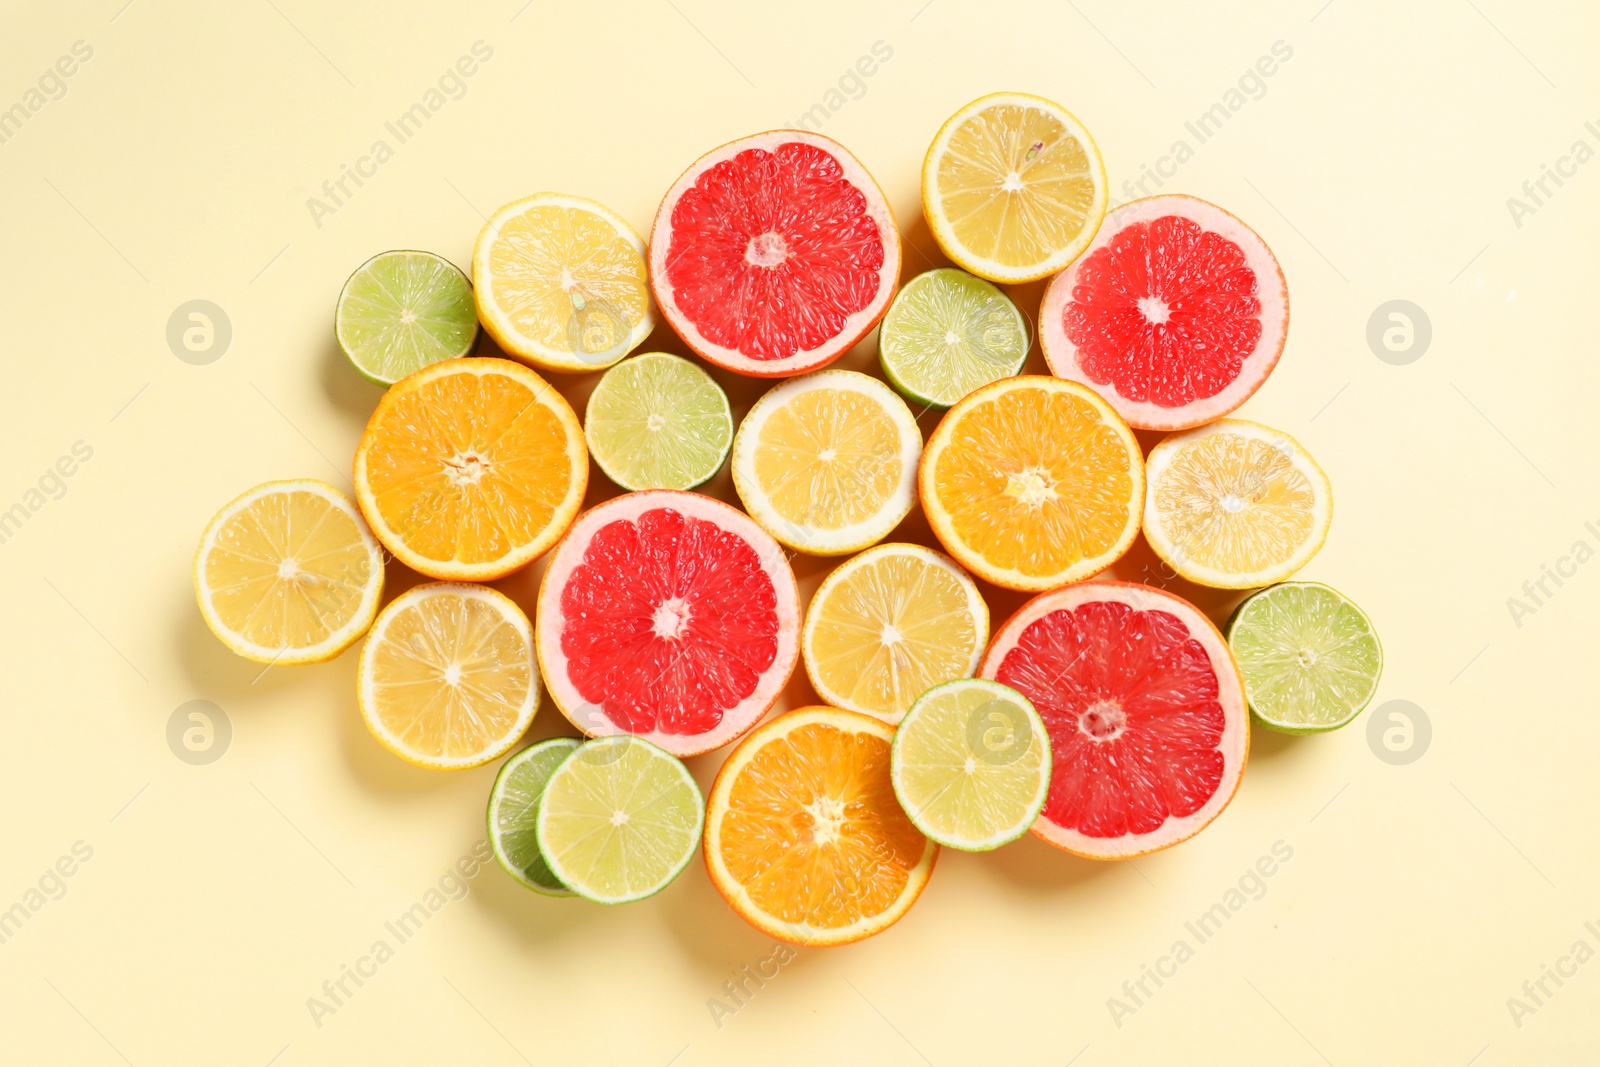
[(774, 254), (804, 837), (949, 332), (1144, 707), (1013, 187), (888, 625), (971, 764), (471, 468), (668, 615), (514, 814), (288, 573), (1032, 482), (658, 422), (1310, 658), (1175, 314), (401, 311), (619, 820), (1235, 504), (562, 282), (447, 678), (827, 463)]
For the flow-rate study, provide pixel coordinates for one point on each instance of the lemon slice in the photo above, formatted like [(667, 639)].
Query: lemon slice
[(971, 764), (827, 462), (658, 422), (288, 573), (561, 283), (447, 677), (1013, 187), (888, 625), (1235, 504)]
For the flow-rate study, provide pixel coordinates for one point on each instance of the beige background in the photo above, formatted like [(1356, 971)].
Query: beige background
[(219, 898)]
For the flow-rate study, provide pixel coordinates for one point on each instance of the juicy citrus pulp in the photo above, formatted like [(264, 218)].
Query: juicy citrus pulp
[(1310, 657), (658, 422), (447, 678), (949, 332), (1013, 187), (562, 282), (1235, 504), (288, 573), (401, 311), (514, 814), (669, 615), (888, 625), (804, 836), (827, 462), (971, 764), (619, 820), (1032, 482), (471, 468)]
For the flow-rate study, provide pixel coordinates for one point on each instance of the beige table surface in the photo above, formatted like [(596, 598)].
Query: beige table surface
[(208, 904)]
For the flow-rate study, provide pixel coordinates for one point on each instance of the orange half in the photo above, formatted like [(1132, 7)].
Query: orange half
[(804, 836), (1032, 482), (471, 468)]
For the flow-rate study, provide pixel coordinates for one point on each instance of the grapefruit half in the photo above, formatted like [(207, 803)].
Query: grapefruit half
[(1145, 709), (668, 615), (774, 254), (1176, 313)]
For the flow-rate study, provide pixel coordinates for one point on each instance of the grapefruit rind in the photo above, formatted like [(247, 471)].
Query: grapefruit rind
[(1271, 290), (1234, 743), (856, 326), (569, 554)]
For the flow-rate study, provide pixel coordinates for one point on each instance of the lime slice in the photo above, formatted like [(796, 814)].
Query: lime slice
[(949, 332), (971, 764), (514, 813), (1309, 656), (658, 422), (401, 311), (619, 819)]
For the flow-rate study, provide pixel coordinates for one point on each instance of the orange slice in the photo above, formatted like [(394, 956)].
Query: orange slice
[(1033, 482), (471, 468), (804, 836)]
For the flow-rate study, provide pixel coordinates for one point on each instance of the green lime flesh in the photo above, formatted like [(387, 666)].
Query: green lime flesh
[(658, 422), (401, 311), (514, 813), (1310, 658), (948, 332)]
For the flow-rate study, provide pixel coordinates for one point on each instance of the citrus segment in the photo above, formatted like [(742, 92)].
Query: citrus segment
[(658, 422), (1013, 187), (288, 573), (888, 625), (1310, 658), (1235, 504), (471, 468), (562, 282), (668, 615), (1175, 314), (826, 463), (513, 814), (774, 254), (401, 311), (447, 678), (804, 837), (1031, 482), (947, 333)]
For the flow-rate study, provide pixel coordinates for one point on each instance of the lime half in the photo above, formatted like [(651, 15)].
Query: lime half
[(658, 422), (948, 332), (514, 813), (401, 311), (1309, 656), (971, 764), (619, 820)]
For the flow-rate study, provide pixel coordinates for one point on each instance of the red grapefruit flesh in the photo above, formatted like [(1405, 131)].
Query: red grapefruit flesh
[(1176, 313), (1145, 709), (668, 615), (774, 254)]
